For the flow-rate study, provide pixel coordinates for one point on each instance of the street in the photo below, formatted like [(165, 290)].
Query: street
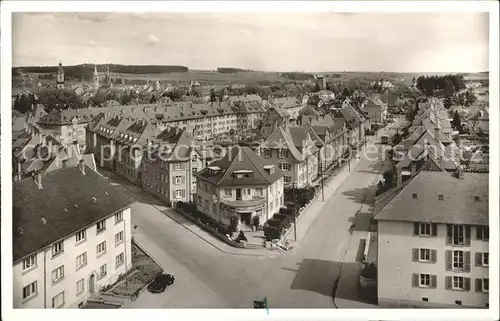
[(208, 277)]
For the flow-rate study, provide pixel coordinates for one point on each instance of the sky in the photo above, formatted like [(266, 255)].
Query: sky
[(315, 42)]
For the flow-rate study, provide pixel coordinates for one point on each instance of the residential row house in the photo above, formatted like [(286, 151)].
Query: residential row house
[(433, 234), (71, 237), (376, 110), (294, 152), (42, 153), (169, 171), (241, 190)]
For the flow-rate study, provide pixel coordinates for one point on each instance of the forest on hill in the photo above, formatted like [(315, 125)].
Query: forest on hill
[(85, 71)]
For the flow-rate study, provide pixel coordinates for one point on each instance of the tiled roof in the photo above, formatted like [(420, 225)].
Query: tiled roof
[(66, 204), (281, 138), (419, 200), (175, 144), (240, 159)]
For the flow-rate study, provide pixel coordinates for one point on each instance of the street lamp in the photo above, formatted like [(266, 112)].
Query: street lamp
[(294, 213)]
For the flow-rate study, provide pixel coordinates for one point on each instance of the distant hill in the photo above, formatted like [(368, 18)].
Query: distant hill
[(86, 70), (229, 70)]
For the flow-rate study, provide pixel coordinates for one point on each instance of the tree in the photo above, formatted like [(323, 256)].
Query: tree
[(456, 122), (213, 98), (449, 88), (447, 102), (470, 98), (346, 93)]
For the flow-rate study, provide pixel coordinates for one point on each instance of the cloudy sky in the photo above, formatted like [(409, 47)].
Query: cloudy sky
[(411, 42)]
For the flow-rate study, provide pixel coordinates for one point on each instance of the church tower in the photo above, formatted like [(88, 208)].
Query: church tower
[(96, 78), (60, 77)]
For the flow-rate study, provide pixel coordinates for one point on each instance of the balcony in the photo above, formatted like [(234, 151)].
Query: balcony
[(249, 205)]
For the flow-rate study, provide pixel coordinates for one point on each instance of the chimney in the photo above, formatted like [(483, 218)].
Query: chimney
[(81, 164), (38, 180)]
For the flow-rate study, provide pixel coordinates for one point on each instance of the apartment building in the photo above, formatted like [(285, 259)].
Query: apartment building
[(291, 105), (433, 242), (66, 126), (376, 110), (71, 237), (274, 116), (169, 172), (241, 190), (293, 151), (43, 153)]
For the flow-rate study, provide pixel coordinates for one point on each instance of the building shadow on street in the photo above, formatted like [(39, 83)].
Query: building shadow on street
[(321, 276), (361, 195), (349, 293)]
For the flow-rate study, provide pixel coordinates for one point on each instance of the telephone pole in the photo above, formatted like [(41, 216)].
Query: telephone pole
[(294, 214)]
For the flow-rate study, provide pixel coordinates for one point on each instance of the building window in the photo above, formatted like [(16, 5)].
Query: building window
[(81, 236), (458, 283), (267, 152), (458, 260), (118, 217), (58, 274), (178, 179), (287, 179), (57, 248), (425, 255), (483, 233), (118, 238), (119, 259), (30, 291), (80, 286), (178, 166), (260, 191), (486, 285), (458, 233), (425, 229), (425, 280), (283, 153), (227, 192), (179, 193), (101, 248), (194, 170), (81, 260), (103, 270), (58, 301), (29, 262), (486, 259), (101, 226), (285, 166)]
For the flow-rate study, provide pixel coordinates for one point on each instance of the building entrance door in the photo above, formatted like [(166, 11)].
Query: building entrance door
[(92, 283)]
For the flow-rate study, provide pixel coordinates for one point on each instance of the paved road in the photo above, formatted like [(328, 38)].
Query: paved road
[(301, 278)]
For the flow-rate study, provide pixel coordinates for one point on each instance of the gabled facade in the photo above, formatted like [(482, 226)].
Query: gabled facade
[(274, 116), (169, 172), (240, 190)]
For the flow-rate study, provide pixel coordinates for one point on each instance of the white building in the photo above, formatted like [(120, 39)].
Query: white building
[(241, 189), (71, 236), (433, 242)]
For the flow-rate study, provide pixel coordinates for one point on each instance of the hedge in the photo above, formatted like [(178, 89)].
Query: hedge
[(191, 209)]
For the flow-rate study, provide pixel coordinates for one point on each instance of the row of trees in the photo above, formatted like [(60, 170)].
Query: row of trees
[(449, 84)]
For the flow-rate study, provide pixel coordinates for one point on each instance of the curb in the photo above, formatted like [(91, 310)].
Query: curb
[(207, 241), (149, 255)]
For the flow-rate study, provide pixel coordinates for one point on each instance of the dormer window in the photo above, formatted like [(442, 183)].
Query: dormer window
[(441, 197), (414, 196), (477, 198), (213, 170), (269, 169), (242, 174)]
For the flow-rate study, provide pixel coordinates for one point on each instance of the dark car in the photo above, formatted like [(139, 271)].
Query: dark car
[(160, 283)]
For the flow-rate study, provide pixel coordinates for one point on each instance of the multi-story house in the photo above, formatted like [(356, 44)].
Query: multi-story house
[(433, 242), (42, 153), (376, 110), (274, 116), (241, 190), (131, 144), (71, 237), (169, 172), (479, 120), (293, 151), (66, 126), (291, 105)]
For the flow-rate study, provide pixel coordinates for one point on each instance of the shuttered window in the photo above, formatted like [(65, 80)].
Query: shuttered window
[(423, 280), (425, 229), (458, 283), (424, 255)]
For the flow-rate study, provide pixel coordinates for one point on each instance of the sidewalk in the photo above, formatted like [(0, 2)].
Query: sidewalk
[(309, 214), (142, 196)]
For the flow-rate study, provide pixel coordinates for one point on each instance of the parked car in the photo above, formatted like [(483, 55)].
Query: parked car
[(160, 283)]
